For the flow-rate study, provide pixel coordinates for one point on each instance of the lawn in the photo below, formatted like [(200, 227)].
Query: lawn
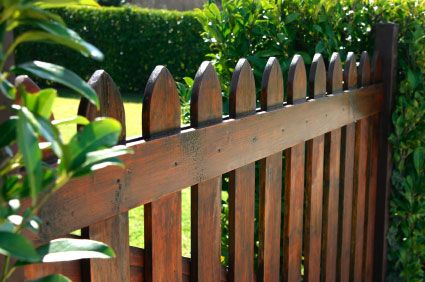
[(66, 105)]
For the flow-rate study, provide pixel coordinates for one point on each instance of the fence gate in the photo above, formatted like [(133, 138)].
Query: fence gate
[(332, 188)]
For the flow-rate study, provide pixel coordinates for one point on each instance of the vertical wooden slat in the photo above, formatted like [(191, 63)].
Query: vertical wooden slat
[(365, 78), (161, 116), (360, 181), (346, 173), (205, 109), (386, 41), (331, 184), (270, 182), (294, 186), (113, 231), (314, 180), (242, 182)]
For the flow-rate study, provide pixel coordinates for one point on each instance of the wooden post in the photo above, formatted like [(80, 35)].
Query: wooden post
[(386, 45)]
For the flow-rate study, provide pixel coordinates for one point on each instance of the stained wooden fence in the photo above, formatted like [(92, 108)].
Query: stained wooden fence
[(332, 130)]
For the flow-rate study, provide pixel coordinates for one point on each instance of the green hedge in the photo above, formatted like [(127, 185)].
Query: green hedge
[(134, 41)]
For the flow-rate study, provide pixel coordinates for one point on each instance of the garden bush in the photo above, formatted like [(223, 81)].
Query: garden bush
[(134, 41), (260, 29)]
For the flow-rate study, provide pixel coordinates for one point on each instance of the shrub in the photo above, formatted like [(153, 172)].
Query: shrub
[(260, 29), (134, 41)]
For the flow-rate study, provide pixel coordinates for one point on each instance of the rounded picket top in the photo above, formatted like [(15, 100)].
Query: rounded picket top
[(297, 80), (110, 101), (376, 71), (242, 100), (334, 77), (317, 77), (161, 106), (206, 104), (350, 72), (272, 86), (27, 83), (364, 70)]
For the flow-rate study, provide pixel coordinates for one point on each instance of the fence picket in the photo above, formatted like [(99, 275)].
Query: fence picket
[(206, 108), (346, 173), (314, 180), (331, 184), (365, 78), (360, 179), (161, 116), (294, 186), (113, 231), (270, 182), (242, 182)]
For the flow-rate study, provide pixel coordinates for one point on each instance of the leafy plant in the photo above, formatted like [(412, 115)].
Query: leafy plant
[(29, 135)]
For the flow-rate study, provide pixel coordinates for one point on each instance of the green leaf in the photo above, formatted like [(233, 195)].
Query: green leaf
[(419, 159), (99, 134), (72, 120), (17, 246), (291, 17), (53, 278), (7, 88), (60, 75), (62, 37), (47, 130), (62, 31), (28, 146), (8, 132), (40, 103), (102, 158), (67, 249)]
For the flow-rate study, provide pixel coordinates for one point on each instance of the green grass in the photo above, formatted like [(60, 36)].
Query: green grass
[(66, 105)]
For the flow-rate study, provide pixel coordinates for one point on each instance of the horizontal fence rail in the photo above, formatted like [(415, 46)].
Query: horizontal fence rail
[(317, 159), (169, 164)]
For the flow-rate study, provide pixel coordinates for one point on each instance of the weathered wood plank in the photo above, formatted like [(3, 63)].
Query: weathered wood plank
[(294, 181), (365, 79), (112, 231), (331, 182), (360, 180), (242, 183), (346, 183), (152, 171), (161, 115), (206, 109), (270, 182), (314, 181)]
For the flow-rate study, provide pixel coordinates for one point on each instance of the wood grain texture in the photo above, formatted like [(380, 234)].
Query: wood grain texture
[(294, 181), (112, 231), (346, 172), (314, 181), (270, 182), (330, 204), (360, 178), (206, 108), (111, 104), (161, 115), (365, 79), (242, 183), (151, 171), (331, 181)]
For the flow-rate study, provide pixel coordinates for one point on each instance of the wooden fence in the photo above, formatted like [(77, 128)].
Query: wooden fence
[(332, 130)]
